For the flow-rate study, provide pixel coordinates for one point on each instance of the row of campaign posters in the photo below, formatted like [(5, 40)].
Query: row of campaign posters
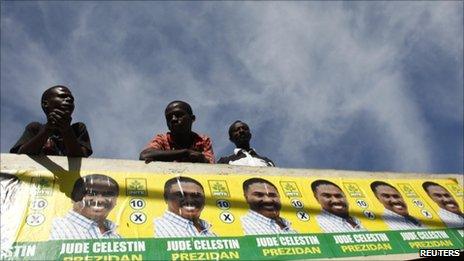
[(192, 216)]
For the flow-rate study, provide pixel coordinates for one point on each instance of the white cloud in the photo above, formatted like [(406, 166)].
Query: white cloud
[(311, 67)]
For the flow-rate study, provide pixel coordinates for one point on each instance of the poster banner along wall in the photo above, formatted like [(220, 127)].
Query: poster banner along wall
[(147, 216)]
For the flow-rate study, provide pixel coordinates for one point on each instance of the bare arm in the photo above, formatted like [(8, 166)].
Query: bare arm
[(196, 156), (151, 154)]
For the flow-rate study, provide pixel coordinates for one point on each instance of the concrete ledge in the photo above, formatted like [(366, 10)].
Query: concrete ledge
[(10, 163)]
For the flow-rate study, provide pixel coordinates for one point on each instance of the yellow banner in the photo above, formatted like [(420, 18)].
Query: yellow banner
[(288, 204)]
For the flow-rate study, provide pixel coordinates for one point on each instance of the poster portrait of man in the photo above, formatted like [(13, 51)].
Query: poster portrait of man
[(93, 197), (10, 187), (185, 198), (449, 211), (263, 217), (334, 216), (396, 214)]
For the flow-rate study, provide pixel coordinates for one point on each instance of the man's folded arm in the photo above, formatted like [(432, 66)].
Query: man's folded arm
[(31, 143), (152, 154)]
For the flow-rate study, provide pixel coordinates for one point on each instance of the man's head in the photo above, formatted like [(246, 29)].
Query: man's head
[(239, 134), (58, 97), (185, 197), (390, 197), (442, 197), (331, 197), (94, 196), (262, 196), (179, 117)]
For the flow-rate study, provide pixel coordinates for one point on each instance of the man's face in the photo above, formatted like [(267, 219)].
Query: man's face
[(391, 199), (332, 199), (60, 98), (99, 199), (264, 199), (186, 201), (443, 198), (178, 119), (240, 134)]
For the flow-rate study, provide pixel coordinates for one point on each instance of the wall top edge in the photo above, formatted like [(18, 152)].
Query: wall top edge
[(12, 162)]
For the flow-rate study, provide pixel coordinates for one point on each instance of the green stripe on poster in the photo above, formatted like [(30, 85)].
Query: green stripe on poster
[(414, 240), (200, 248), (459, 235), (363, 244), (262, 247), (289, 247)]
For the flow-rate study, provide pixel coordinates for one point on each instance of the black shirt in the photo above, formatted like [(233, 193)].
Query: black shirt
[(54, 144)]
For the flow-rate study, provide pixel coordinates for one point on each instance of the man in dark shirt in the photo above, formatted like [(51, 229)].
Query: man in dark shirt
[(181, 144), (57, 136), (240, 135)]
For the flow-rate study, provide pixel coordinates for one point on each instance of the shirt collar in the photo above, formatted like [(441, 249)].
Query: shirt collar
[(88, 223), (390, 213), (251, 151), (325, 212), (185, 222), (268, 221), (397, 216), (449, 213), (196, 139)]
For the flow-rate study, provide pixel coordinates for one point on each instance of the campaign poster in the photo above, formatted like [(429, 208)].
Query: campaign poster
[(193, 216)]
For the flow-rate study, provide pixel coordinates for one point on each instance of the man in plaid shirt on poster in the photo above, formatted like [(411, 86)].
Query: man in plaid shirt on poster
[(263, 217), (93, 197), (185, 198), (334, 217)]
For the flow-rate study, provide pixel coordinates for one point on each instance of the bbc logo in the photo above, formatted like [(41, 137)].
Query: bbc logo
[(438, 252)]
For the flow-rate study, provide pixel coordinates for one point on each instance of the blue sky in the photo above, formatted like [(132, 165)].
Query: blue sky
[(375, 86)]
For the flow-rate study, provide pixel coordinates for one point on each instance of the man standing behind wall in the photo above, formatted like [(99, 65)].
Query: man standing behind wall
[(181, 144), (57, 136), (244, 155)]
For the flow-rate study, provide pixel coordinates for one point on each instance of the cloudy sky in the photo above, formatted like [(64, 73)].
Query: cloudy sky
[(375, 86)]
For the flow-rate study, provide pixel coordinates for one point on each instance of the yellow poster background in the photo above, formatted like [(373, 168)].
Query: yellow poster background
[(295, 194)]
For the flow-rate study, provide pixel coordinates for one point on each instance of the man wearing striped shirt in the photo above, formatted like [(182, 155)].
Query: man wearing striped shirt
[(334, 217), (449, 211), (396, 214), (264, 214), (93, 196), (186, 199)]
